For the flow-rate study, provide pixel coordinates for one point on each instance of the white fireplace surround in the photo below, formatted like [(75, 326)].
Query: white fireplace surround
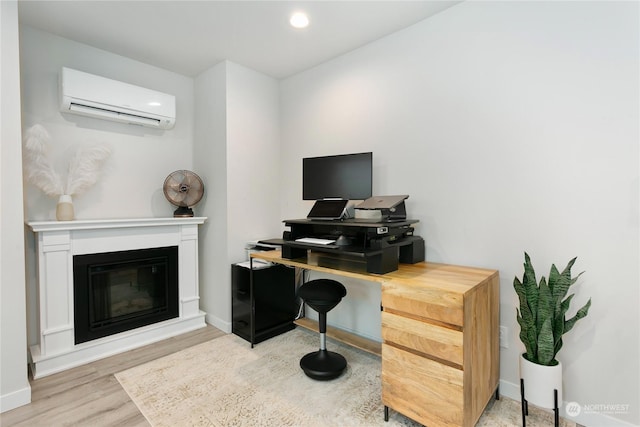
[(58, 241)]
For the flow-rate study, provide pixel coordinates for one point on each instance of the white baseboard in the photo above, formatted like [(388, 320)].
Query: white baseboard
[(15, 399), (584, 418), (218, 323), (43, 365)]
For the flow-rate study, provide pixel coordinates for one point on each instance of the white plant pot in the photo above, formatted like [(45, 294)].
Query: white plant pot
[(539, 383), (64, 208)]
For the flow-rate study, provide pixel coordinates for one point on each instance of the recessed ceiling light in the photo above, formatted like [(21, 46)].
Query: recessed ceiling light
[(299, 20)]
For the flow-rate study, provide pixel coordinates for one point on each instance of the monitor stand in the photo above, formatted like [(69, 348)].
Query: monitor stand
[(343, 241)]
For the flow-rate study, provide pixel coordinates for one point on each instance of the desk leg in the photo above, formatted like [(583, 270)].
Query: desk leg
[(252, 316), (386, 413)]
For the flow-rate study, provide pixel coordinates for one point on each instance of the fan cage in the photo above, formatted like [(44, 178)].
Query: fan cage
[(184, 189)]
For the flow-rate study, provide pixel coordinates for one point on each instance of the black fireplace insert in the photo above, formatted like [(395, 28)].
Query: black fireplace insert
[(119, 291)]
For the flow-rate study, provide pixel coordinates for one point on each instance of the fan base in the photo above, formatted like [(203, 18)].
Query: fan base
[(182, 212)]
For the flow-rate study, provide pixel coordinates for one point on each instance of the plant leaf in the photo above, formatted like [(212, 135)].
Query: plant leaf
[(526, 315), (544, 323), (557, 346), (527, 335), (558, 320), (530, 287), (568, 325), (546, 346)]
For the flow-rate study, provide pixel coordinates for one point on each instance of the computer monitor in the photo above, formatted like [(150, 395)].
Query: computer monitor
[(344, 176)]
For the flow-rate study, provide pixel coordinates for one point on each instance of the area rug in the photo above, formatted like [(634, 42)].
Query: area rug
[(224, 382)]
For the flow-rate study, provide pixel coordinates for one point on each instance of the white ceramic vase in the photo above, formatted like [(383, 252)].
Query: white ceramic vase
[(64, 208), (539, 383)]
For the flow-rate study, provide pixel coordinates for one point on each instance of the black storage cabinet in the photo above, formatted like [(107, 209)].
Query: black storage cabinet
[(273, 298)]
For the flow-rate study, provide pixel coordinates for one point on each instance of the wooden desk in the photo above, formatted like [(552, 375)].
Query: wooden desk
[(440, 349)]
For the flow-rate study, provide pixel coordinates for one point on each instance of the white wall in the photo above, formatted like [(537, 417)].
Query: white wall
[(514, 127), (237, 143), (14, 386), (253, 158), (230, 140), (141, 159), (210, 162)]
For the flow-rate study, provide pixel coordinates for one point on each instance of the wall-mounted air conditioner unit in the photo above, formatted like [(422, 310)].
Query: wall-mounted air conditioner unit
[(89, 95)]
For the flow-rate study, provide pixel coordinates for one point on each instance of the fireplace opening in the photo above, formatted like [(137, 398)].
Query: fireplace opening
[(119, 291)]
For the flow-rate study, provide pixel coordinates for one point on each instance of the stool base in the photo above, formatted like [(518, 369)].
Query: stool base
[(323, 365)]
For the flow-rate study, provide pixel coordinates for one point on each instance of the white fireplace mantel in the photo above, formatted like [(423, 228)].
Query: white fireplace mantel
[(58, 241), (95, 224)]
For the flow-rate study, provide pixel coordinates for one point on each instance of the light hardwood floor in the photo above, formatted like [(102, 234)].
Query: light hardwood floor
[(90, 395)]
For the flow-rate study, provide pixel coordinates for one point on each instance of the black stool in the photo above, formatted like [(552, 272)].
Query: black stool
[(322, 295)]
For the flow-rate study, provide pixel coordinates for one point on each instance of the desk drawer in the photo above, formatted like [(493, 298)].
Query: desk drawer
[(429, 303), (432, 340), (424, 390)]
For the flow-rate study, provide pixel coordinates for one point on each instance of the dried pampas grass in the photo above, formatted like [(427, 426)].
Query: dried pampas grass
[(37, 167), (84, 167)]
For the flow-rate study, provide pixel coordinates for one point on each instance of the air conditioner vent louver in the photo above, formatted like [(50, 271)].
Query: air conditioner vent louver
[(94, 96), (113, 115)]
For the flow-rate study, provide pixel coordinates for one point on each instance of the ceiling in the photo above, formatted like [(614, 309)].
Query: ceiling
[(189, 37)]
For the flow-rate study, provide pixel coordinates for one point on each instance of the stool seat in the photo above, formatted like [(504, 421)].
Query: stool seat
[(322, 295)]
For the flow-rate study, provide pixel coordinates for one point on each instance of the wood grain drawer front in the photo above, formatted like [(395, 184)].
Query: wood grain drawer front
[(428, 303), (424, 390), (432, 340)]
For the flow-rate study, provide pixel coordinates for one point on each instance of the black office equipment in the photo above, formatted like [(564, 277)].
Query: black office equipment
[(272, 299), (328, 209), (345, 176), (375, 247)]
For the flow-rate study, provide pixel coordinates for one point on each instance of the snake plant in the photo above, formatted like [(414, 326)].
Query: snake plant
[(542, 311)]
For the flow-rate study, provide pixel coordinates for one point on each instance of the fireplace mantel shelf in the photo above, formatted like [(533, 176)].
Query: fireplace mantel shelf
[(57, 242), (92, 224)]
